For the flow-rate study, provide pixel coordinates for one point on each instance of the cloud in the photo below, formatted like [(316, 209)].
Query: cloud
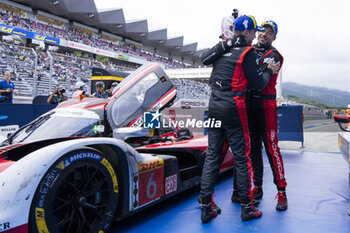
[(313, 35)]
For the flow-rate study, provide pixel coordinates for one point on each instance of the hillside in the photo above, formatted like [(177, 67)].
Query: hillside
[(323, 95)]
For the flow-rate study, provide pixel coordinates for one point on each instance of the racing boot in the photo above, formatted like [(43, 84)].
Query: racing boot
[(249, 212), (214, 206), (207, 213), (236, 199), (282, 203), (256, 193)]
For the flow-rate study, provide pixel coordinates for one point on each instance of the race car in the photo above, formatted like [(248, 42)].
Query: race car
[(86, 163), (344, 137), (344, 141)]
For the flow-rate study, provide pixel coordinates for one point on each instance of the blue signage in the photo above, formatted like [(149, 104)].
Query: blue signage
[(290, 123), (31, 35), (151, 120), (12, 114)]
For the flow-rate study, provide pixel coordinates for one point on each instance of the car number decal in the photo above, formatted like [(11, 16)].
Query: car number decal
[(151, 180)]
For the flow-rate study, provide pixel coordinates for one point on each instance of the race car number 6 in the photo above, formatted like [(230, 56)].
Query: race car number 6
[(151, 183)]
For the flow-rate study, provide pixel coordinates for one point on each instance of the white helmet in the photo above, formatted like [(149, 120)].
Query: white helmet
[(227, 29), (80, 85)]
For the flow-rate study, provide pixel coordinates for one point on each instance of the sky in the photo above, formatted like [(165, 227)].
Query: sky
[(313, 35)]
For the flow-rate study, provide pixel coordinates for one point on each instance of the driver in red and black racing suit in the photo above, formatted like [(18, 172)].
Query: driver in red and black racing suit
[(232, 71), (262, 115)]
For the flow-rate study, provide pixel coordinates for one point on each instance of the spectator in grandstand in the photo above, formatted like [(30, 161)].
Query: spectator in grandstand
[(79, 35), (57, 95), (6, 89), (100, 90)]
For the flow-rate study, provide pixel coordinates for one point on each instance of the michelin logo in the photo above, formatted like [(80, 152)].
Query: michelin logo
[(151, 120)]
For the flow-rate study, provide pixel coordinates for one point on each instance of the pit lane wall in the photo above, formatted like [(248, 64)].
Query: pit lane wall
[(344, 146), (290, 122), (290, 118), (13, 116)]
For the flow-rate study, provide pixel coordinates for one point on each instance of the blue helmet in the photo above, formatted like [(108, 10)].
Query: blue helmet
[(272, 24)]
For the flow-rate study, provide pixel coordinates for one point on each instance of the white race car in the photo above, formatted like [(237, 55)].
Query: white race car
[(73, 169)]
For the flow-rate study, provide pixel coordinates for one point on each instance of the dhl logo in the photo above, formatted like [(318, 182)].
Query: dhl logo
[(150, 165), (39, 37), (7, 30)]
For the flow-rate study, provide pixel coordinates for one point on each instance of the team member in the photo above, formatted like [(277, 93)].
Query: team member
[(80, 91), (110, 90), (6, 89), (263, 120), (100, 92), (230, 75)]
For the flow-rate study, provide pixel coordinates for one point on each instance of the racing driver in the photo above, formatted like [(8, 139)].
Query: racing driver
[(263, 120), (229, 78)]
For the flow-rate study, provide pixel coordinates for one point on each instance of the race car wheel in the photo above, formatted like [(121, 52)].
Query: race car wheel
[(78, 194)]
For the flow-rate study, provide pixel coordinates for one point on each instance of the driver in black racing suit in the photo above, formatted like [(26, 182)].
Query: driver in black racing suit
[(231, 72)]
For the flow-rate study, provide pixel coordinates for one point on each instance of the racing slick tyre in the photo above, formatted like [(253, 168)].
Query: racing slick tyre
[(78, 194)]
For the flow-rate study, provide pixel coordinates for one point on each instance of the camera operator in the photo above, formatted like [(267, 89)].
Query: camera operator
[(57, 95)]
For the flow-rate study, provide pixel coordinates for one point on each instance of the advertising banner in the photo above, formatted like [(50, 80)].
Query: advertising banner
[(80, 46), (103, 52), (27, 34)]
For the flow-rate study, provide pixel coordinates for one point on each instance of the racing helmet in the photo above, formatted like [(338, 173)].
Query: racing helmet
[(114, 84), (227, 29), (101, 85), (80, 85)]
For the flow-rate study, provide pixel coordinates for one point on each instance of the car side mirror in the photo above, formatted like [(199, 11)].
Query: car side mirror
[(129, 132)]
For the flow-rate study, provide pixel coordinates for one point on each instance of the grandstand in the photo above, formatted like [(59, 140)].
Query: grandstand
[(42, 49)]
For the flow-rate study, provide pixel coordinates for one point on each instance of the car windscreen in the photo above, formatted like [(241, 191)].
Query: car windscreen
[(59, 123), (131, 100)]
